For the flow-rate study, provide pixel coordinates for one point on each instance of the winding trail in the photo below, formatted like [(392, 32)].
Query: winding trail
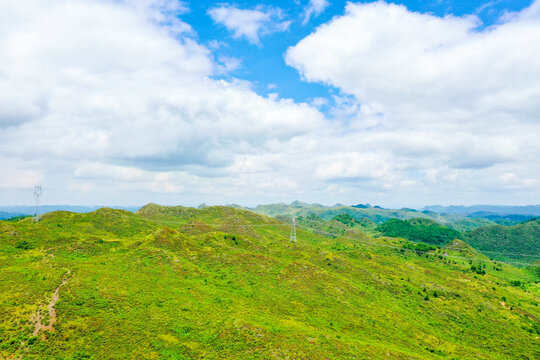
[(37, 317), (50, 307)]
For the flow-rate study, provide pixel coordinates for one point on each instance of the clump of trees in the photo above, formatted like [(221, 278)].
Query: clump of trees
[(419, 230), (419, 248), (345, 219), (479, 269), (350, 221)]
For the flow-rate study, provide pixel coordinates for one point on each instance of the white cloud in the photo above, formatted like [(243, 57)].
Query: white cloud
[(353, 166), (115, 101), (250, 23), (18, 178), (229, 63), (314, 8), (435, 93), (422, 65), (105, 88)]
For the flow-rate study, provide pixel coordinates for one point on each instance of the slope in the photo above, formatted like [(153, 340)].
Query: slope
[(519, 242), (183, 283)]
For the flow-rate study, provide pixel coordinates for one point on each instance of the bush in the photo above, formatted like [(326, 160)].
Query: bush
[(478, 269), (23, 244), (345, 219), (80, 355)]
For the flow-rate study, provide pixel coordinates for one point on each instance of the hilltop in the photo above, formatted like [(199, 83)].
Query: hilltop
[(521, 241), (376, 214), (226, 283)]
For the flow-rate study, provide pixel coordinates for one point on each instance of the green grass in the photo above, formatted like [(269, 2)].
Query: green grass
[(224, 283)]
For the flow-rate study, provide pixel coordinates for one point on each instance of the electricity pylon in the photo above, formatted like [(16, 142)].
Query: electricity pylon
[(293, 230), (38, 193)]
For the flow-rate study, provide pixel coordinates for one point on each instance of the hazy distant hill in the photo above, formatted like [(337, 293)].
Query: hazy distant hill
[(529, 210), (6, 215), (31, 210)]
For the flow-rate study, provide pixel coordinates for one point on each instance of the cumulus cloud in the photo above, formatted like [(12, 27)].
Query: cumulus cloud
[(357, 166), (107, 88), (314, 8), (436, 92), (250, 23), (17, 177), (116, 102), (421, 65)]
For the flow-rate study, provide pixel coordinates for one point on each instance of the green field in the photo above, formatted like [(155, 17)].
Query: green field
[(226, 283)]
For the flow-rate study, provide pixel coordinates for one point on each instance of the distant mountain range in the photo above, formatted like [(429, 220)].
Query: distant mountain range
[(7, 212), (485, 210)]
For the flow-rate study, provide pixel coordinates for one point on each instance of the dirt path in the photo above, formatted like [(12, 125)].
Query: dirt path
[(38, 316)]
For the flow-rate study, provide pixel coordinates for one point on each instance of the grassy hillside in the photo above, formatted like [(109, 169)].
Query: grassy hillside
[(224, 283), (522, 240)]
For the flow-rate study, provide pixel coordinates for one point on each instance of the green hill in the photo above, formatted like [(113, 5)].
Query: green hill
[(226, 283), (375, 214), (419, 230), (519, 242)]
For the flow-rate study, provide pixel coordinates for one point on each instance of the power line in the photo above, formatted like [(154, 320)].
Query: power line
[(368, 243), (340, 235)]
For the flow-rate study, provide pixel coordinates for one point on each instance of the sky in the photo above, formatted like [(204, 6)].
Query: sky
[(406, 103)]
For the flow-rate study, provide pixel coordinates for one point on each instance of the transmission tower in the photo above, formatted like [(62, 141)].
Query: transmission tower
[(38, 193), (293, 230)]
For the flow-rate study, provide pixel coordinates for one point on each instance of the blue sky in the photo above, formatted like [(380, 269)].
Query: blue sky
[(125, 102), (256, 59)]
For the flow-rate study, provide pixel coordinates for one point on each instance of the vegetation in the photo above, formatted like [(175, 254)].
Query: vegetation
[(375, 214), (419, 230), (225, 283), (517, 243), (346, 219), (17, 218)]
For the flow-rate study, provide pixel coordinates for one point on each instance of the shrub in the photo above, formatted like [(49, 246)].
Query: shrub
[(23, 244)]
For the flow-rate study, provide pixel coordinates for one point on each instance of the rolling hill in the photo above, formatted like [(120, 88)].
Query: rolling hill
[(373, 213), (226, 283), (519, 242)]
